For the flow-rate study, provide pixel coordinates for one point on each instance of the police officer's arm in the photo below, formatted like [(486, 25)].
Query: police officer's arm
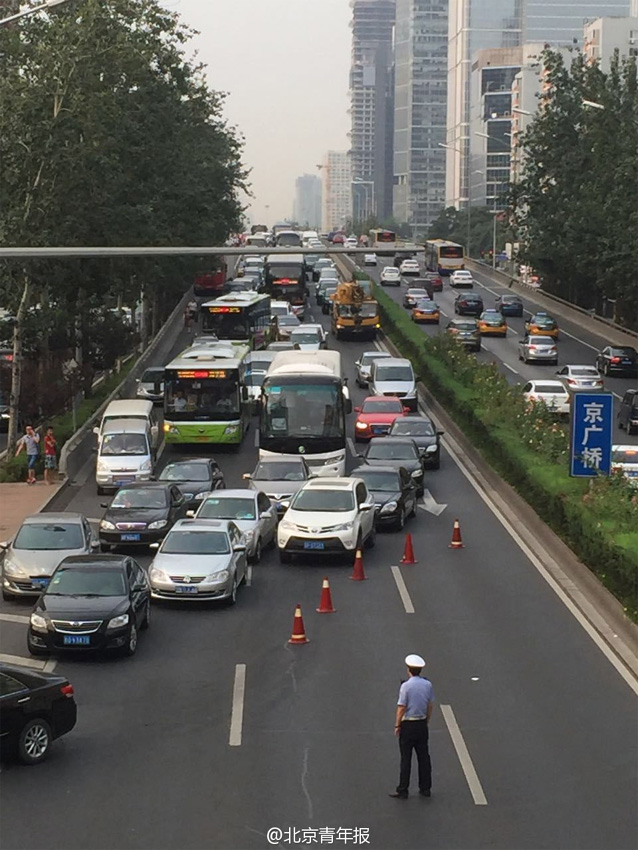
[(399, 717), (429, 711)]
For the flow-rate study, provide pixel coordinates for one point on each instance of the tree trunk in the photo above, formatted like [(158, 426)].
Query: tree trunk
[(16, 367)]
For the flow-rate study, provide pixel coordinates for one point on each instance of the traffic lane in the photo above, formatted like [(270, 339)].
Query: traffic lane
[(505, 350)]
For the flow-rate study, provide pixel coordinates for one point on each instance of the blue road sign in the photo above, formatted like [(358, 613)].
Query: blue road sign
[(591, 434)]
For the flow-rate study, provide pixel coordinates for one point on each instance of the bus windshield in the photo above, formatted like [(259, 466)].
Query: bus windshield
[(202, 398), (451, 251), (386, 236), (285, 272), (302, 410), (226, 325)]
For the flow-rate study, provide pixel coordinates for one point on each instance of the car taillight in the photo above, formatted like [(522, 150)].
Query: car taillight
[(615, 359), (67, 690), (571, 381), (533, 347)]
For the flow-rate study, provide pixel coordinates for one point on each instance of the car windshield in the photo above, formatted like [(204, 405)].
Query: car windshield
[(622, 352), (367, 359), (541, 340), (464, 326), (386, 450), (304, 338), (232, 507), (382, 407), (196, 543), (279, 470), (288, 321), (185, 472), (333, 501), (124, 444), (45, 536), (386, 482), (543, 322), (511, 299), (254, 379), (417, 293), (152, 376), (629, 455), (426, 305), (90, 581), (141, 497), (584, 371), (394, 373), (279, 311), (413, 427)]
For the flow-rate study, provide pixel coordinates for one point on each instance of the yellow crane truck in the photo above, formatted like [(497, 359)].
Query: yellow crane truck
[(354, 312)]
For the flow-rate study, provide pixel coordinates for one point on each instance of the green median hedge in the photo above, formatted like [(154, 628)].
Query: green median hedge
[(598, 519)]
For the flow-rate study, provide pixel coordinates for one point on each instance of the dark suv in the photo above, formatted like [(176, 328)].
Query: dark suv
[(468, 304), (617, 360), (628, 412)]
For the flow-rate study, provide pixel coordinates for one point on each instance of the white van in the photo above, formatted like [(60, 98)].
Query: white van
[(131, 408), (394, 376), (124, 454)]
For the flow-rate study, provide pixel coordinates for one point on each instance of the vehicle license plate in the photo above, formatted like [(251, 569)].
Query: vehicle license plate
[(40, 582), (130, 537), (314, 544), (75, 640), (185, 588), (378, 429), (120, 481)]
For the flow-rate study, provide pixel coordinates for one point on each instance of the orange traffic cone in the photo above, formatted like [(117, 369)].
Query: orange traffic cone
[(456, 543), (408, 551), (357, 571), (298, 631), (325, 604)]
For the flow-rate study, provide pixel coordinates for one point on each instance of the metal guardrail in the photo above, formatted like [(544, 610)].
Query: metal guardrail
[(515, 282)]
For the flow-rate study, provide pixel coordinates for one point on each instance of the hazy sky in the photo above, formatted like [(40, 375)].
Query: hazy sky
[(284, 64)]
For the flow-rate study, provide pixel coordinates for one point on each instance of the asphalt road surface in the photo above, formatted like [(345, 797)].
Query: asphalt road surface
[(533, 738), (575, 345)]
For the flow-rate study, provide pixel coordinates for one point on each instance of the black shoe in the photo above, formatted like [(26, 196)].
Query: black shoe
[(425, 793), (399, 795)]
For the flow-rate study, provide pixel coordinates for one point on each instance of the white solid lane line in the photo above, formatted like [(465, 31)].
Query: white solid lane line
[(507, 366), (49, 666), (352, 447), (578, 339), (22, 662), (256, 438), (471, 776), (249, 575), (237, 716), (403, 591), (14, 618)]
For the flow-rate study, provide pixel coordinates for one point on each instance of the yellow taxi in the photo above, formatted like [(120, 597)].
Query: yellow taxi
[(492, 323), (542, 324), (426, 312)]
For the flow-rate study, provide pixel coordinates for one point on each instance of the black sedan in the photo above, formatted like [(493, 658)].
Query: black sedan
[(394, 492), (424, 433), (397, 452), (35, 709), (468, 304), (509, 304), (194, 478), (94, 602), (617, 360), (140, 514)]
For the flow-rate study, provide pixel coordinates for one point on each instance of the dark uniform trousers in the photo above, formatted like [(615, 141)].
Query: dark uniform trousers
[(413, 735)]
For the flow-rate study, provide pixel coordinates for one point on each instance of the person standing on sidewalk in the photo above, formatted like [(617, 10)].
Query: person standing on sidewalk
[(50, 456), (414, 709), (31, 443)]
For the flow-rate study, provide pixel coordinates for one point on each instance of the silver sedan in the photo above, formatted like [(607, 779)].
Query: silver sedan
[(199, 560), (541, 348), (581, 379), (250, 510)]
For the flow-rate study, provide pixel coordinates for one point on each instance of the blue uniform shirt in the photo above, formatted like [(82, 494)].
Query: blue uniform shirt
[(416, 694)]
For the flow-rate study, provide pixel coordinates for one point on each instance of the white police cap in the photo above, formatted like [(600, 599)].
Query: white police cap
[(414, 661)]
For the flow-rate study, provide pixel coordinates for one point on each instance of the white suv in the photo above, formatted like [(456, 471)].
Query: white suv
[(328, 516)]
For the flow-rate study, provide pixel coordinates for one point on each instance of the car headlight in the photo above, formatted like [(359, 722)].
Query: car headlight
[(118, 622), (11, 569), (102, 467), (215, 578), (231, 429), (107, 526), (418, 473), (361, 425), (156, 574), (345, 526), (389, 507), (169, 428), (38, 622), (159, 523), (146, 466), (286, 525)]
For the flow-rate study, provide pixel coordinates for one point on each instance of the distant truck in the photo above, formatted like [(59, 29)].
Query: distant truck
[(355, 313), (258, 228)]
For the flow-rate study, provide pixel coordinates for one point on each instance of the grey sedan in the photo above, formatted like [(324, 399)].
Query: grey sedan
[(251, 510), (581, 379), (279, 479), (199, 560), (541, 348), (42, 542)]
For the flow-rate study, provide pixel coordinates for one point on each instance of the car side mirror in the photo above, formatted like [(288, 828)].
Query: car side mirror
[(153, 545), (247, 476), (139, 588), (105, 504), (440, 433), (348, 405), (357, 363), (312, 475), (357, 410), (239, 547), (406, 409), (366, 506), (95, 544), (96, 430), (5, 544), (190, 514)]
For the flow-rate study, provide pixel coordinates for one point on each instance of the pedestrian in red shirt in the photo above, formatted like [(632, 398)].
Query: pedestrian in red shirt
[(50, 456)]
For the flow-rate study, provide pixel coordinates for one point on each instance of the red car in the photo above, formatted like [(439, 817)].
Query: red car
[(376, 415), (338, 239)]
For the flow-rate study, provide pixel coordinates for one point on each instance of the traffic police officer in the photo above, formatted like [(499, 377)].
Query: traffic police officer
[(414, 709)]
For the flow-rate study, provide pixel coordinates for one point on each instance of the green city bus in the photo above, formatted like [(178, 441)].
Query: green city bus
[(205, 395), (242, 316)]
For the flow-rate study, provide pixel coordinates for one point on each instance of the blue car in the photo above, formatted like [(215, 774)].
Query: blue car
[(509, 304)]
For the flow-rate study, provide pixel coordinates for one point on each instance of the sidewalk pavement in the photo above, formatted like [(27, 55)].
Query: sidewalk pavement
[(20, 500)]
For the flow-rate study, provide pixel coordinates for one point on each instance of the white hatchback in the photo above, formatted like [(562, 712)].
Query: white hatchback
[(328, 516), (462, 277), (410, 267), (391, 275), (369, 259), (551, 393)]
